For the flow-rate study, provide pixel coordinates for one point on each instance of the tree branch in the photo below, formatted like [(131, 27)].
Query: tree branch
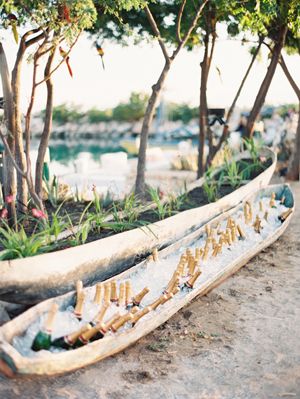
[(11, 155), (34, 40), (289, 76), (157, 33), (60, 63), (190, 30), (179, 17)]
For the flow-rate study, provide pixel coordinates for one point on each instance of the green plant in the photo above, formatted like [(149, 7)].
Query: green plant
[(18, 244), (210, 188), (54, 225), (81, 231), (253, 148), (161, 209), (52, 190), (125, 216), (232, 173), (130, 208)]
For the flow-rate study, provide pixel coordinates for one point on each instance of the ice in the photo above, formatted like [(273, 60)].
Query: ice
[(156, 275)]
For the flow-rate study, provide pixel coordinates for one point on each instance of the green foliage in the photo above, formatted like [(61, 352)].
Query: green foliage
[(232, 174), (132, 111), (18, 244), (130, 208), (96, 218), (162, 209), (63, 114), (49, 14), (95, 115), (182, 112), (80, 236), (52, 191), (52, 226), (253, 148), (177, 202), (210, 187), (125, 215)]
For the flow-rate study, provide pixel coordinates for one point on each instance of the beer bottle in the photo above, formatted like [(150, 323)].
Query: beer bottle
[(42, 339), (98, 293), (107, 293), (137, 299), (79, 305), (121, 301), (129, 294), (285, 215), (140, 314), (99, 317), (69, 340), (121, 321), (190, 283), (113, 292)]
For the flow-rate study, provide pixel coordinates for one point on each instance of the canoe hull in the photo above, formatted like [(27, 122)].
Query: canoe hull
[(12, 363), (33, 279)]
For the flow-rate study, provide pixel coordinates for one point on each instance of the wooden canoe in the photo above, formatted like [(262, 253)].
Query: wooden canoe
[(12, 363), (33, 279)]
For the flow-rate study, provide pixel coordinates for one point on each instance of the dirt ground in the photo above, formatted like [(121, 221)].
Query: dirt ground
[(240, 341)]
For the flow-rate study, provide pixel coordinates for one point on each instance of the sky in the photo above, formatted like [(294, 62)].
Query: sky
[(137, 67)]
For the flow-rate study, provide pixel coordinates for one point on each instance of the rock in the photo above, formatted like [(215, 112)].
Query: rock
[(187, 314)]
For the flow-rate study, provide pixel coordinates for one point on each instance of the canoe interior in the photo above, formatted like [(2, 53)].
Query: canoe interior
[(13, 363)]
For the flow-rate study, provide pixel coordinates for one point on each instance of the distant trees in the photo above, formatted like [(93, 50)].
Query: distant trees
[(134, 110), (131, 111)]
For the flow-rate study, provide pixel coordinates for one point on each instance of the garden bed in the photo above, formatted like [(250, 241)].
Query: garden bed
[(33, 279)]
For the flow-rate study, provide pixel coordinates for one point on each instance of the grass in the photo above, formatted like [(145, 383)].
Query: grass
[(18, 244)]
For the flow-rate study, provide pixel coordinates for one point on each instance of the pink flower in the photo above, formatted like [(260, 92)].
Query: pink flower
[(3, 213), (38, 213), (9, 199)]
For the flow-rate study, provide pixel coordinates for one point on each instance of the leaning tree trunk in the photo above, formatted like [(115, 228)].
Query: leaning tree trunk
[(294, 168), (263, 90), (148, 118), (22, 192), (47, 129), (9, 183), (203, 108), (225, 132), (293, 171)]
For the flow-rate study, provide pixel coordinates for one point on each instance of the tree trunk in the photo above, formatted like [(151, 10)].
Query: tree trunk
[(203, 107), (22, 192), (148, 118), (294, 167), (232, 107), (47, 130), (293, 171), (9, 171), (263, 90)]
